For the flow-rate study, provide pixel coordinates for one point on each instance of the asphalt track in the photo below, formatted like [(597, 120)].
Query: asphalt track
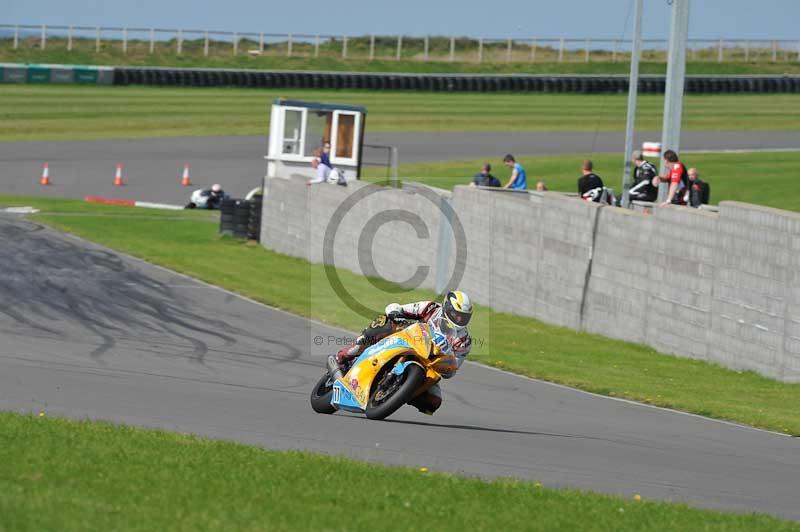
[(152, 166), (85, 332)]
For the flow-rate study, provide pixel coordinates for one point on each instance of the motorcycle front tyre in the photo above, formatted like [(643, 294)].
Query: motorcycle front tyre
[(413, 377)]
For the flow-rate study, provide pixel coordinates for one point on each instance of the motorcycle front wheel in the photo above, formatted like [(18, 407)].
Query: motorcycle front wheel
[(393, 391), (321, 396)]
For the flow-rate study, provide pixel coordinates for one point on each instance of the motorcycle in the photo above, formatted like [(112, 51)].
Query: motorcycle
[(387, 375)]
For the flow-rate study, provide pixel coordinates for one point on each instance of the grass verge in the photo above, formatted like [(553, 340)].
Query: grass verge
[(763, 178), (522, 345), (41, 112), (101, 477)]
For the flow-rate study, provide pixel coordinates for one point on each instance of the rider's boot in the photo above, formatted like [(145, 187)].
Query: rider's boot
[(338, 363), (346, 354)]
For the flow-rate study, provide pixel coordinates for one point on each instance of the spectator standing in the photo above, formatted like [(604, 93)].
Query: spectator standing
[(484, 178), (677, 178), (643, 188), (590, 186), (518, 179), (699, 192)]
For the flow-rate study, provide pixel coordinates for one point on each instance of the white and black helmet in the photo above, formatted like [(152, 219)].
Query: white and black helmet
[(456, 310)]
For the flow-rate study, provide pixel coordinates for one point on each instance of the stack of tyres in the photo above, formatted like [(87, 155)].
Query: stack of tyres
[(234, 218), (254, 222), (227, 211), (241, 218)]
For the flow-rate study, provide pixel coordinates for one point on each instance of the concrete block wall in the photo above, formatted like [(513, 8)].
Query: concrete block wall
[(755, 315), (297, 220), (720, 286)]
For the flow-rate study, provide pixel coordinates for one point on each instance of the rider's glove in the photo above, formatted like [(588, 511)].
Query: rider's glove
[(394, 311)]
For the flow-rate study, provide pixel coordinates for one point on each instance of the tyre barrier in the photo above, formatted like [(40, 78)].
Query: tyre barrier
[(254, 222), (237, 218), (444, 83)]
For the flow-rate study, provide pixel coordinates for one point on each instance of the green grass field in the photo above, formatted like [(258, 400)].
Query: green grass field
[(58, 474), (523, 345), (38, 112), (768, 178)]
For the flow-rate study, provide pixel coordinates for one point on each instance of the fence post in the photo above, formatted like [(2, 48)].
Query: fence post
[(508, 51), (452, 49), (235, 43), (614, 51), (289, 46), (798, 50), (124, 40), (480, 49), (16, 36), (316, 46), (69, 38), (561, 50), (425, 55), (393, 164), (719, 51), (97, 41), (774, 50), (371, 47), (261, 42), (586, 59), (205, 43), (344, 46), (533, 50), (152, 40), (179, 43), (43, 44), (399, 47)]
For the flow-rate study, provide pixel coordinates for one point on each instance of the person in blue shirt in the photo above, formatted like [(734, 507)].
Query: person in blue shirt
[(518, 179), (325, 156)]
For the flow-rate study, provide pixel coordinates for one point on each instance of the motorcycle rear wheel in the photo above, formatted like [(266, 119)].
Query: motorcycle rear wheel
[(321, 396), (382, 408)]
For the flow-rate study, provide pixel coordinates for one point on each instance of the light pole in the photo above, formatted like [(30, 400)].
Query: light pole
[(676, 73), (633, 90)]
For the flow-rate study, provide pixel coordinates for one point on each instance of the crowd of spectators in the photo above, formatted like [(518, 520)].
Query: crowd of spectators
[(683, 186)]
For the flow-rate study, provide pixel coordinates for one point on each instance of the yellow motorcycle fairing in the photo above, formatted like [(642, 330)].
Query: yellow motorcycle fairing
[(413, 345)]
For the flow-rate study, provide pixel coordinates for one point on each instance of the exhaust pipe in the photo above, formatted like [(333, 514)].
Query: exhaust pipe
[(333, 368)]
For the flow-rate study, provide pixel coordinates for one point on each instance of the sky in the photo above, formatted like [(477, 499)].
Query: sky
[(774, 19)]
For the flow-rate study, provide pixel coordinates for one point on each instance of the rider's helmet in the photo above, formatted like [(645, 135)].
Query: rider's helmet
[(216, 188), (456, 311)]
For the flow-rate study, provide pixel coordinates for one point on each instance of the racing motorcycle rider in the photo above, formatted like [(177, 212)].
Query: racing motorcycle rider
[(451, 318)]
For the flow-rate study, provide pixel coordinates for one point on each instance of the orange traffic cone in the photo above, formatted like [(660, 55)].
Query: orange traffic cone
[(45, 180), (118, 182), (185, 181)]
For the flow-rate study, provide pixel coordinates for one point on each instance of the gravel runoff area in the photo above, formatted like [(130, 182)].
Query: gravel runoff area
[(152, 166), (87, 332)]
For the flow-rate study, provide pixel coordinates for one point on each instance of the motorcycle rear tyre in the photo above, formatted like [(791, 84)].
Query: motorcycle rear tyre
[(414, 376), (321, 399)]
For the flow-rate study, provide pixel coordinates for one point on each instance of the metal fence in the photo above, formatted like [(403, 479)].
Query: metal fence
[(208, 43)]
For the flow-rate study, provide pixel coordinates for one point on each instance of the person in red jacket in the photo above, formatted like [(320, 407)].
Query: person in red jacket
[(677, 178)]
